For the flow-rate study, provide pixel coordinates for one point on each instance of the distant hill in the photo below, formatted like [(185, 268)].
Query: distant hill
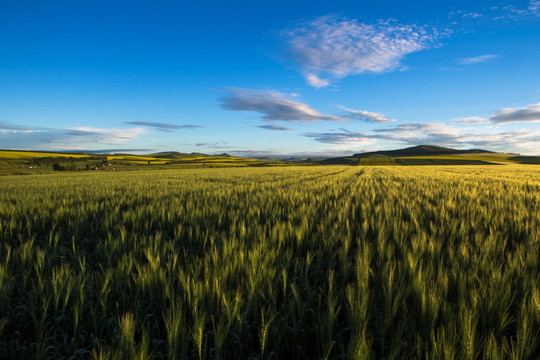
[(420, 150), (34, 162), (169, 155), (535, 160), (427, 155)]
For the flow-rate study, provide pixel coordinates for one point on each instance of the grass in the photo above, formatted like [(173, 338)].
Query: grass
[(292, 262)]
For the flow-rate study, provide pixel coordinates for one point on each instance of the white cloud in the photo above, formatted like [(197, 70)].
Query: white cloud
[(365, 115), (338, 47), (524, 140), (315, 81), (530, 113), (511, 12), (477, 59), (464, 14), (472, 120), (275, 127), (423, 133), (272, 105), (7, 126), (471, 15), (276, 106), (163, 126), (343, 137), (100, 135), (73, 138), (298, 154)]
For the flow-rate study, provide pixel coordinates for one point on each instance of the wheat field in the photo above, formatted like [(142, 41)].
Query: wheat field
[(327, 262)]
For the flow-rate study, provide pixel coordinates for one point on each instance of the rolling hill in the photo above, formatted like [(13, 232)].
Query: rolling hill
[(431, 155), (421, 150)]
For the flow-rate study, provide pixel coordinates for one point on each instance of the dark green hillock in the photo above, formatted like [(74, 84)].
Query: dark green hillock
[(526, 159), (421, 150), (170, 155)]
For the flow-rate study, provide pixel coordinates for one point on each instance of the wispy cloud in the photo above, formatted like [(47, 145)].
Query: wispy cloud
[(477, 59), (524, 140), (162, 126), (344, 137), (275, 127), (534, 7), (513, 12), (100, 135), (464, 14), (422, 133), (6, 126), (471, 15), (298, 154), (118, 150), (254, 153), (276, 106), (364, 115), (472, 120), (315, 81), (72, 138), (215, 145), (335, 47), (530, 113), (272, 105), (444, 135)]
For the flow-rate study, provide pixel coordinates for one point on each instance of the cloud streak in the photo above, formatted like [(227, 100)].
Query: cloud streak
[(162, 126), (530, 113), (72, 138), (275, 127), (117, 150), (477, 59), (109, 136), (299, 154), (344, 137), (472, 120), (272, 106), (534, 7), (516, 13), (336, 47), (422, 133), (6, 126), (275, 106), (364, 115)]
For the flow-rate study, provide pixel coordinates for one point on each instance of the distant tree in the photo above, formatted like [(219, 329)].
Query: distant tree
[(58, 167)]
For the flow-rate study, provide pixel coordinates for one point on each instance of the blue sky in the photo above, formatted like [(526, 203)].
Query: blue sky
[(269, 77)]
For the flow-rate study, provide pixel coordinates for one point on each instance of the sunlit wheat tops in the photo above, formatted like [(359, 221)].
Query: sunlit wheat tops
[(273, 263)]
